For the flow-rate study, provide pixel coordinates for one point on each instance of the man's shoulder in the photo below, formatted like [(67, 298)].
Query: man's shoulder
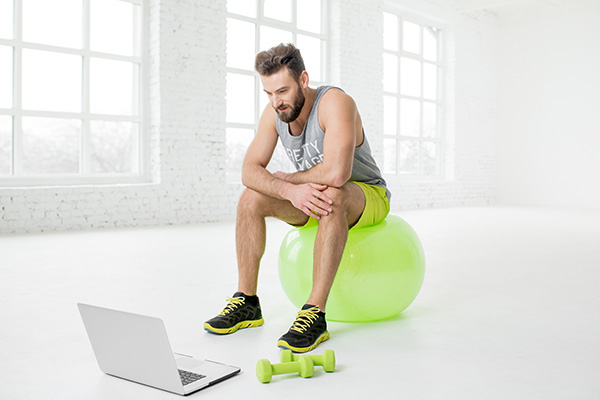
[(336, 100)]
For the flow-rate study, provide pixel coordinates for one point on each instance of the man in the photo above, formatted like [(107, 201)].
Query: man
[(338, 185)]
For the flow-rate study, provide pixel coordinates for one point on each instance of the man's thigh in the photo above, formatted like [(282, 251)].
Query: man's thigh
[(273, 207)]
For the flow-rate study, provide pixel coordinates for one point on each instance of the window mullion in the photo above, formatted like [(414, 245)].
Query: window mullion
[(17, 156), (257, 25), (85, 93)]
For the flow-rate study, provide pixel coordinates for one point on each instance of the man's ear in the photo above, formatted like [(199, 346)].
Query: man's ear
[(304, 79)]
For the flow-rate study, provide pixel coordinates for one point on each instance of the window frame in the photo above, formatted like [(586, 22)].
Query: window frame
[(16, 178), (259, 21), (441, 102)]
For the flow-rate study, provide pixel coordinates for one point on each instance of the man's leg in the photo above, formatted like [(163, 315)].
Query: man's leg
[(348, 205), (243, 309), (310, 327), (250, 232)]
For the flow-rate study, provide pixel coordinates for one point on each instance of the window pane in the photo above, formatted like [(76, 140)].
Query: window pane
[(429, 120), (51, 81), (240, 44), (114, 27), (309, 15), (429, 159), (242, 7), (390, 115), (278, 9), (237, 142), (390, 73), (51, 145), (56, 22), (410, 77), (6, 76), (411, 37), (390, 32), (112, 86), (410, 117), (6, 19), (270, 37), (114, 147), (430, 81), (5, 144), (389, 156), (430, 43), (409, 157), (311, 54), (240, 98)]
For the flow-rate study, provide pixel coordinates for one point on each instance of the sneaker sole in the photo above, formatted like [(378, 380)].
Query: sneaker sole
[(285, 345), (236, 327)]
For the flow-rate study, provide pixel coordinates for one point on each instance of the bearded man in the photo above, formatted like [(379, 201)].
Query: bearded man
[(337, 186)]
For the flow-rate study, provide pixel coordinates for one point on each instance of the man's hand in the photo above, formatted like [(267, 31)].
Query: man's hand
[(310, 199)]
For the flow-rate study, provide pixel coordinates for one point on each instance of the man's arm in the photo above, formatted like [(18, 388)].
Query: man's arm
[(338, 117), (306, 196)]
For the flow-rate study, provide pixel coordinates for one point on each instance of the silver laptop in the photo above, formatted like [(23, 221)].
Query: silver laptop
[(136, 348)]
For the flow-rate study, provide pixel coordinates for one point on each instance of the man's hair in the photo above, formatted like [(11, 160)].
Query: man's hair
[(271, 61)]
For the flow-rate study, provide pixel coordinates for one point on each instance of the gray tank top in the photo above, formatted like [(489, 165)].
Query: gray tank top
[(306, 150)]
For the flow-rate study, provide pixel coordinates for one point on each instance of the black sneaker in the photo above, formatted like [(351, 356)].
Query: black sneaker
[(306, 332), (238, 314)]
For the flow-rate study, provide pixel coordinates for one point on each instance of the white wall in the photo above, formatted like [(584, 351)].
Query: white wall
[(549, 153), (188, 120)]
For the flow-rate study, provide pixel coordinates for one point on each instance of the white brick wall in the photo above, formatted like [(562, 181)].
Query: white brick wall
[(188, 122)]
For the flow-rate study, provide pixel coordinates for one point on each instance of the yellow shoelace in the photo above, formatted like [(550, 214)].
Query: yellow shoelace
[(232, 304), (304, 319)]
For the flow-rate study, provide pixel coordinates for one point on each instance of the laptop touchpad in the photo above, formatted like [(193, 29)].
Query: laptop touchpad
[(189, 363)]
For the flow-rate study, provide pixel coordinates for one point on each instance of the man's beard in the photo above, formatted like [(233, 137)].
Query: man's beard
[(293, 111)]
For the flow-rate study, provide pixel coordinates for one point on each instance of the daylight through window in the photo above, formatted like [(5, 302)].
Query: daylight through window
[(412, 101), (70, 89), (252, 26)]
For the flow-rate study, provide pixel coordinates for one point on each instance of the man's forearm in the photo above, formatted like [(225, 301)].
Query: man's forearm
[(261, 180), (306, 197), (318, 174)]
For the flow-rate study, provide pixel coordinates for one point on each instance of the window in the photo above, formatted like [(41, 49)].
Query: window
[(253, 26), (412, 101), (70, 91)]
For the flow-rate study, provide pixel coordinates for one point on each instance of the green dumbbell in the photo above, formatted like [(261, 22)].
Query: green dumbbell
[(265, 370), (327, 359)]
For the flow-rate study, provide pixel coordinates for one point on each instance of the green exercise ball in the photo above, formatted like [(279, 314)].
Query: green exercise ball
[(380, 275)]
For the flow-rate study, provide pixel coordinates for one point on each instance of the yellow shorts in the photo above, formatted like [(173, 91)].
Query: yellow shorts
[(377, 207)]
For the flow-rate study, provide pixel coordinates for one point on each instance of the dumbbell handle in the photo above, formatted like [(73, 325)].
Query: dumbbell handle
[(286, 368), (326, 360)]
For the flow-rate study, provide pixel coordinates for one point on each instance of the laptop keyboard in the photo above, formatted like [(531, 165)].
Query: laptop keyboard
[(188, 377)]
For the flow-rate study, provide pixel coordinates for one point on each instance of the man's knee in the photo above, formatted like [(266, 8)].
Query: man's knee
[(337, 195), (252, 201), (344, 197), (348, 201)]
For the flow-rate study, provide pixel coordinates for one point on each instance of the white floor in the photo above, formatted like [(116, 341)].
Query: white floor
[(509, 310)]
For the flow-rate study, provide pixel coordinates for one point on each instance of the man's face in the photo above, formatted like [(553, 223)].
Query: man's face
[(285, 94)]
